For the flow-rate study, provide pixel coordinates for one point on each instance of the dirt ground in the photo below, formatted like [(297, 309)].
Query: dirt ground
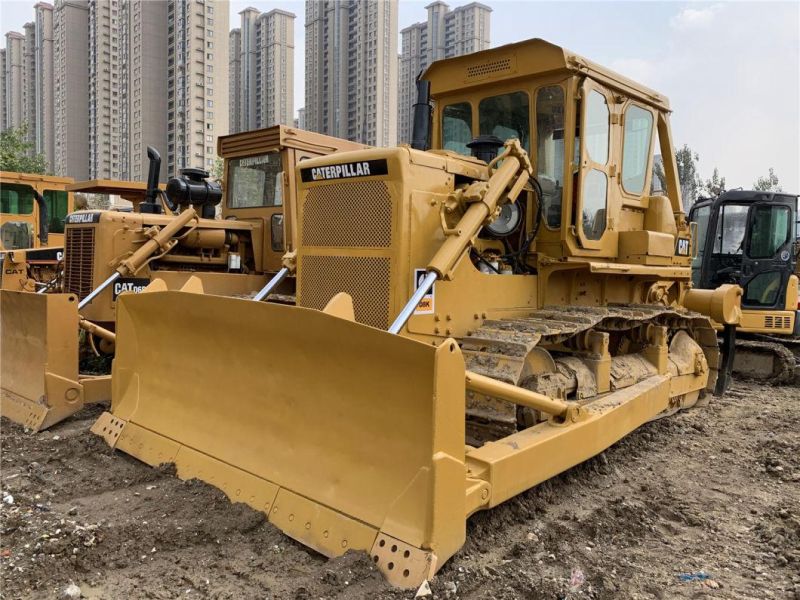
[(704, 504)]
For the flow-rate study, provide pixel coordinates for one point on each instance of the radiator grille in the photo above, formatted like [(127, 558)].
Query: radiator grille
[(777, 322), (79, 260), (366, 279), (355, 214)]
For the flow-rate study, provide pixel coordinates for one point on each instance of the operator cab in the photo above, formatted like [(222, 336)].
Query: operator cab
[(593, 137), (747, 238), (27, 215)]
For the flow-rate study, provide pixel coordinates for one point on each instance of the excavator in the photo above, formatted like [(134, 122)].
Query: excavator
[(32, 212), (749, 238), (476, 313), (172, 233)]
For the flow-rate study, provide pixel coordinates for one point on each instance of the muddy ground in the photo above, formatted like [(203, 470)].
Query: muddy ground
[(705, 504)]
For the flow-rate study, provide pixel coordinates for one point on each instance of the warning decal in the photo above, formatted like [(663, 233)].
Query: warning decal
[(425, 306)]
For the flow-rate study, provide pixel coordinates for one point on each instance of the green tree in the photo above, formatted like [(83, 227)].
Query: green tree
[(716, 185), (218, 170), (691, 184), (17, 154), (769, 183)]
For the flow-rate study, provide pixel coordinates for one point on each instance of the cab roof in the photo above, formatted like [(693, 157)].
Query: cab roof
[(525, 59)]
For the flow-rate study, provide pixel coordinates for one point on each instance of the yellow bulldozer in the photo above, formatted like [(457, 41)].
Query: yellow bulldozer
[(173, 234), (32, 213), (475, 313)]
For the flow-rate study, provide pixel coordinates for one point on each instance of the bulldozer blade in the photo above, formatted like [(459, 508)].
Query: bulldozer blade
[(39, 381), (346, 436)]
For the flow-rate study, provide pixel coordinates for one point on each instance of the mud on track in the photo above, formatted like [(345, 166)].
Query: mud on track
[(711, 494)]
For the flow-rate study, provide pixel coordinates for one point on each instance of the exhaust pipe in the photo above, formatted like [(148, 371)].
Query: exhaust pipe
[(421, 129), (150, 205)]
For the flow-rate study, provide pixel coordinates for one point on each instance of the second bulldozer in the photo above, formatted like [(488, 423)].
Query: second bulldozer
[(515, 288), (32, 212), (111, 252)]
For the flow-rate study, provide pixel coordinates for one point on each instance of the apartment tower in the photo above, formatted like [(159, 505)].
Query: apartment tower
[(197, 81), (234, 79), (262, 90), (143, 85), (3, 121), (44, 119), (71, 88), (445, 34), (14, 78), (351, 69), (29, 82), (105, 101)]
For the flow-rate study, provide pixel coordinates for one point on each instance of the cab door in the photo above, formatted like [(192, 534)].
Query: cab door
[(596, 165), (701, 214), (769, 257)]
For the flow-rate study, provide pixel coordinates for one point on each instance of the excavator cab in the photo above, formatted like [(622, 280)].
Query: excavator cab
[(749, 238)]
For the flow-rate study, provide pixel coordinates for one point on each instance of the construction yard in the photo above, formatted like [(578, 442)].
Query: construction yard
[(704, 504)]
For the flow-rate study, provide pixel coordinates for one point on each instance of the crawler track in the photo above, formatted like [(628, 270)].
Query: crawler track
[(502, 348), (766, 359)]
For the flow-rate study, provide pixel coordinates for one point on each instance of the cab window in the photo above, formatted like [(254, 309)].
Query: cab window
[(16, 199), (731, 226), (550, 151), (769, 232), (597, 127), (636, 148), (763, 289), (15, 235), (595, 181), (595, 185), (255, 181), (506, 116), (457, 127), (57, 206)]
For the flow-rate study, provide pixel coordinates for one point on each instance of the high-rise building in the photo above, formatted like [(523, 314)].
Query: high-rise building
[(44, 120), (445, 34), (274, 75), (351, 69), (247, 76), (234, 79), (3, 124), (29, 83), (301, 118), (105, 103), (262, 50), (14, 78), (71, 88), (197, 81), (100, 80), (143, 85)]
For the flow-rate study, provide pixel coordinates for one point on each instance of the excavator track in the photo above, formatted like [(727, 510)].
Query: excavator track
[(765, 359), (542, 350)]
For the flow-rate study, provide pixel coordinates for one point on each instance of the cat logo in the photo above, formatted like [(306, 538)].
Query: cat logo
[(683, 247), (363, 168), (129, 284)]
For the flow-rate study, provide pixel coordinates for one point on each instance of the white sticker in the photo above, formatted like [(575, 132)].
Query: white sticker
[(425, 306)]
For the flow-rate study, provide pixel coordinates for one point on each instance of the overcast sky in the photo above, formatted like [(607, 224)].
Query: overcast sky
[(730, 69)]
